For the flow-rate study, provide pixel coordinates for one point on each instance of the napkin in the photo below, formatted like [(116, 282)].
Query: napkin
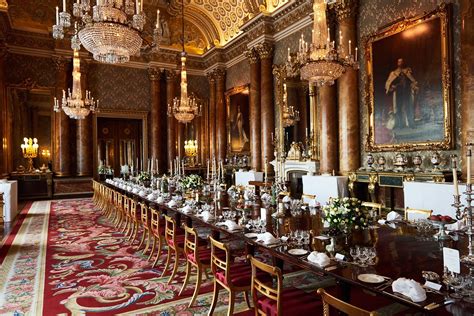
[(320, 258), (267, 238), (266, 197), (142, 193), (151, 196), (313, 203), (459, 225), (172, 203), (409, 288), (187, 209), (206, 215), (231, 225), (160, 200), (394, 216), (135, 190), (286, 199), (248, 195)]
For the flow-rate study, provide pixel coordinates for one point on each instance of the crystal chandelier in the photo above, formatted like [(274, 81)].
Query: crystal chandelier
[(186, 107), (290, 114), (321, 63), (72, 103), (112, 32)]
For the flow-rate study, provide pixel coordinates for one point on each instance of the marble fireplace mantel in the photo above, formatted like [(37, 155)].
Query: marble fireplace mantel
[(310, 167)]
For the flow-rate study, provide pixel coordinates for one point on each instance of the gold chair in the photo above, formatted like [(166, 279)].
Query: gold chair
[(196, 256), (425, 213), (133, 220), (175, 243), (305, 197), (373, 206), (157, 230), (329, 300), (269, 301), (234, 277), (145, 227)]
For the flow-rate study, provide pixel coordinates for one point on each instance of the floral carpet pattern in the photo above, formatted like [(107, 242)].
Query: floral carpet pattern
[(66, 259)]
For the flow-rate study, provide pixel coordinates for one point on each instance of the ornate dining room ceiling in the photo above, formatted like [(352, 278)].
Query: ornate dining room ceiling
[(209, 22)]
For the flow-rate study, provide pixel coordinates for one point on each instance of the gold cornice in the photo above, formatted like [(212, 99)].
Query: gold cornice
[(265, 50)]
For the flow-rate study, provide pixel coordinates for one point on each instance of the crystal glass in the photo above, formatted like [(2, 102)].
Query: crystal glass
[(372, 254), (363, 256), (354, 252), (58, 32), (65, 19)]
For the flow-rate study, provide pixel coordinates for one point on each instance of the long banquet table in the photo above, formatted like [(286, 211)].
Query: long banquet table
[(401, 252)]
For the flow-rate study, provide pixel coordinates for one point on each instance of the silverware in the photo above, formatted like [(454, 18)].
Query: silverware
[(436, 305)]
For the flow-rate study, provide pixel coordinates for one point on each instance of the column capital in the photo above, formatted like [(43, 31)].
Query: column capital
[(154, 74), (345, 9), (211, 76), (170, 75), (219, 74), (265, 50), (252, 55)]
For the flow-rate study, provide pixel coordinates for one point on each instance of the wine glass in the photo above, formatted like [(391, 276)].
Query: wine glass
[(363, 256), (372, 254), (354, 252)]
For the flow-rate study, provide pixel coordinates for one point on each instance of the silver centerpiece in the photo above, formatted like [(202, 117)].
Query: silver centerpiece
[(417, 162), (381, 162), (400, 162), (435, 160), (370, 162)]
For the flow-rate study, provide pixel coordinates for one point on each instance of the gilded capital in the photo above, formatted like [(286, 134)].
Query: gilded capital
[(345, 9), (265, 50), (211, 77), (252, 55), (154, 74), (219, 74), (170, 75)]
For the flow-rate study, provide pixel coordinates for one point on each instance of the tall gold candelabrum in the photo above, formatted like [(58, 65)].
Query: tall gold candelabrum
[(30, 151), (190, 150), (464, 212)]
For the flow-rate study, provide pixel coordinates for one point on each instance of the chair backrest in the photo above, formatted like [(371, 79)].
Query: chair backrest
[(170, 231), (305, 198), (133, 209), (144, 214), (329, 300), (191, 242), (374, 206), (413, 213), (260, 288), (155, 221), (126, 204), (217, 262)]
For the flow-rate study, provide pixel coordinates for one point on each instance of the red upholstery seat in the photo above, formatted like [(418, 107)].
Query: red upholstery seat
[(204, 256), (293, 301), (179, 241), (241, 275)]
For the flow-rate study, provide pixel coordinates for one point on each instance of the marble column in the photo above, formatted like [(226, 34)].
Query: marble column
[(157, 149), (328, 127), (265, 52), (212, 116), (255, 111), (61, 129), (347, 88), (84, 133), (467, 80), (5, 125), (171, 136), (221, 130)]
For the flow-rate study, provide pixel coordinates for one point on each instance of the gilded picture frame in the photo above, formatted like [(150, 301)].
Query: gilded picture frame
[(238, 120), (408, 94)]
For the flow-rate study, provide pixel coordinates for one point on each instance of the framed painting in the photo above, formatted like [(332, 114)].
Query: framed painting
[(408, 88), (238, 121)]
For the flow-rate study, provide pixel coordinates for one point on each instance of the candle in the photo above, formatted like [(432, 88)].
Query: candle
[(350, 48), (266, 169), (157, 18), (222, 170), (157, 166), (207, 168), (137, 7), (356, 54), (289, 58), (455, 176), (171, 168), (468, 162), (57, 15), (64, 5), (329, 37)]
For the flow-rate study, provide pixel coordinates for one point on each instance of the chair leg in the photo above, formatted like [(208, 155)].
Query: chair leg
[(196, 288), (214, 298), (175, 267), (158, 253), (143, 238), (128, 228), (230, 311), (186, 278), (153, 246), (147, 246), (135, 233), (246, 298), (167, 262)]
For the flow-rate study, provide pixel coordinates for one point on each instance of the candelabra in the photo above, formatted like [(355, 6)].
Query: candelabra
[(30, 151), (190, 150)]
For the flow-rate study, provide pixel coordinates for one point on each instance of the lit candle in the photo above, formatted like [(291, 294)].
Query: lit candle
[(356, 54), (350, 48), (57, 15), (171, 168), (137, 7), (329, 36), (158, 18), (222, 170), (289, 58), (455, 177), (340, 37), (207, 168), (64, 5), (468, 162)]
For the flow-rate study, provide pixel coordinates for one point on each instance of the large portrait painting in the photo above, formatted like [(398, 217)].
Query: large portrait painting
[(409, 84), (238, 120)]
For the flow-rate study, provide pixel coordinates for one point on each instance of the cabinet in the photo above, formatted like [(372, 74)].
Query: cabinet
[(37, 185)]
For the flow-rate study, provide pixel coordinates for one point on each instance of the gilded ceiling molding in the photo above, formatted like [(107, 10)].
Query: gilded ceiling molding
[(265, 50), (345, 9), (154, 73), (252, 56)]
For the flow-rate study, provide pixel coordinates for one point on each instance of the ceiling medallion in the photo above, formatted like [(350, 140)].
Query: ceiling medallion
[(112, 31), (321, 63)]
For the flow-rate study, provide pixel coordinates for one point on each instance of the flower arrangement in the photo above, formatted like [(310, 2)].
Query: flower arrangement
[(345, 213), (144, 176), (191, 182)]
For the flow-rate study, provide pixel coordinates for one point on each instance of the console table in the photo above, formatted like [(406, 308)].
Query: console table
[(9, 190), (392, 180), (36, 185)]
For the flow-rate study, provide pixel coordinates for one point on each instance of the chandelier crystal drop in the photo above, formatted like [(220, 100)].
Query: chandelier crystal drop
[(72, 104), (186, 107), (290, 114), (321, 63), (111, 30)]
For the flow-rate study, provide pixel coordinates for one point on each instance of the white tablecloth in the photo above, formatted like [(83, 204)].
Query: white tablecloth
[(431, 196), (325, 187), (243, 177), (10, 198)]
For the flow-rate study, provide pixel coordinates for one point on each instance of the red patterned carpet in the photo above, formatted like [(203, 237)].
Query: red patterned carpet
[(63, 258)]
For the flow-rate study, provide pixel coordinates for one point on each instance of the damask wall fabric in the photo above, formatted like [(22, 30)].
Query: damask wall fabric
[(238, 75), (374, 14), (198, 85), (39, 70)]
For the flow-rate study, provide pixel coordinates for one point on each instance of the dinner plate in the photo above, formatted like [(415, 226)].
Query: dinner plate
[(370, 278), (297, 252), (251, 235)]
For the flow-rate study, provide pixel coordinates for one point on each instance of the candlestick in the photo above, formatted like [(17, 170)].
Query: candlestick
[(468, 162)]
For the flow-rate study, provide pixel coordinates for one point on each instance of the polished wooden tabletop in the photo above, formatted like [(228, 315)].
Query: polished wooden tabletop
[(402, 251)]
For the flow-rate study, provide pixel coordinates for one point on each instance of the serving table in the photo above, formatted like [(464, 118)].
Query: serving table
[(401, 252)]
